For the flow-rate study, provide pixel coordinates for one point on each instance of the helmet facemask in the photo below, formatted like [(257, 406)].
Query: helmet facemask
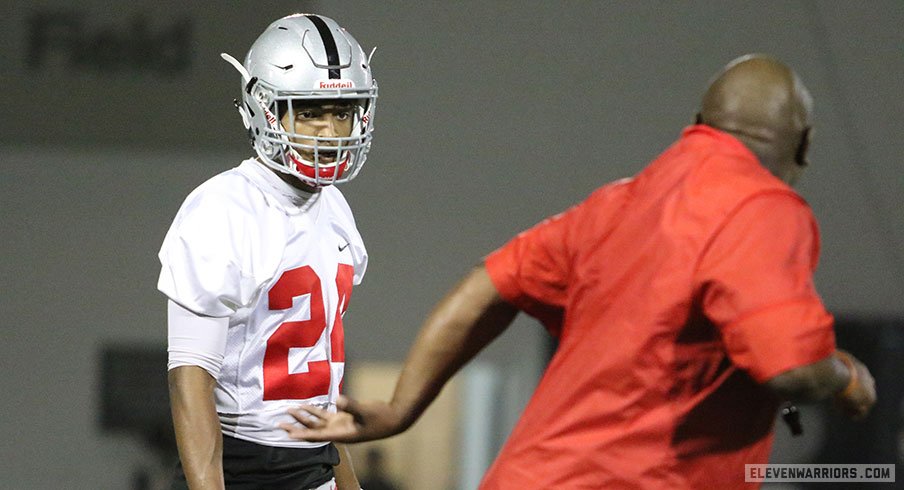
[(316, 160)]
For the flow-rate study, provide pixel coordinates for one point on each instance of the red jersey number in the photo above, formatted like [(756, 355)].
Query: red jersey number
[(279, 383)]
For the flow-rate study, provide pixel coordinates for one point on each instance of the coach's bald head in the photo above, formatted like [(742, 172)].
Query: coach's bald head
[(763, 103)]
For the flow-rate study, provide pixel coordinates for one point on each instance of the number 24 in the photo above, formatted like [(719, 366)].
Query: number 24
[(279, 383)]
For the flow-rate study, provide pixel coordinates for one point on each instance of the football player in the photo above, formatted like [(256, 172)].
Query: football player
[(259, 263)]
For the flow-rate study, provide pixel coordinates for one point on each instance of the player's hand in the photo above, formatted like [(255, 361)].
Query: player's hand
[(860, 395), (353, 422)]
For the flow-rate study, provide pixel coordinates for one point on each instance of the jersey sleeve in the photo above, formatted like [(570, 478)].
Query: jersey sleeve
[(195, 340), (532, 270), (756, 279), (213, 254)]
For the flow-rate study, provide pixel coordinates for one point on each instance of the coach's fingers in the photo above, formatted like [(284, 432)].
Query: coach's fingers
[(858, 398), (312, 427), (294, 430), (308, 416), (314, 411), (867, 396), (302, 433)]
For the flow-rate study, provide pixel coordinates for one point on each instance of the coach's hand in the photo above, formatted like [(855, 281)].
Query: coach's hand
[(859, 396), (353, 422)]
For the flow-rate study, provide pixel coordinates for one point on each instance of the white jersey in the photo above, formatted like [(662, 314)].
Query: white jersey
[(280, 264)]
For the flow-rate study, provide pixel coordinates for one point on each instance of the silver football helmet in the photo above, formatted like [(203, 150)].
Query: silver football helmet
[(296, 60)]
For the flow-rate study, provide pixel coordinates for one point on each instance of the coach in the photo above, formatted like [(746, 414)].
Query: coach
[(683, 303)]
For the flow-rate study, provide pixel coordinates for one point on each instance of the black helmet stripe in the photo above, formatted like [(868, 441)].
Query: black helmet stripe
[(329, 44)]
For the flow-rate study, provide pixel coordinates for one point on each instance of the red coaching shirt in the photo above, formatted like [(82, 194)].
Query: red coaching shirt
[(673, 295)]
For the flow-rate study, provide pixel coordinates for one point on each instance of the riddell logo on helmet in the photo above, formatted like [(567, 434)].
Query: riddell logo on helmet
[(336, 84)]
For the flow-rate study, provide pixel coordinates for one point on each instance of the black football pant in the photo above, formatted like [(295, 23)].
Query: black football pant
[(250, 466)]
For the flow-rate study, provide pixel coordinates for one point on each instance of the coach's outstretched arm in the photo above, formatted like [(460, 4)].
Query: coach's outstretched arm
[(463, 323)]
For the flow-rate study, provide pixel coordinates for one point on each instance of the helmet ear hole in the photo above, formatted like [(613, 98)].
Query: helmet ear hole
[(267, 148)]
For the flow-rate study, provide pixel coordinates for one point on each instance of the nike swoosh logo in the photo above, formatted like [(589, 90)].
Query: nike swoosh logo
[(343, 247), (284, 68)]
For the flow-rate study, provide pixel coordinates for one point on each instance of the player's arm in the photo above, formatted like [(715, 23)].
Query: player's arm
[(197, 427), (840, 375), (465, 321), (196, 345), (346, 479)]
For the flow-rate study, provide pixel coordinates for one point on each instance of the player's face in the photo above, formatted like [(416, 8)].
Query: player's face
[(332, 119)]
